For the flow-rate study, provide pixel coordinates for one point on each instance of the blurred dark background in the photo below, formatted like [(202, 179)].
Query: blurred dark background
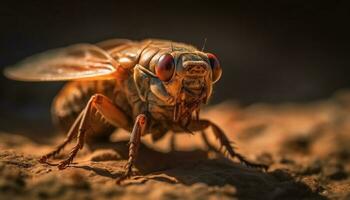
[(271, 51)]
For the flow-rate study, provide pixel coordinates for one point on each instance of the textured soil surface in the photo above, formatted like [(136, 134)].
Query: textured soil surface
[(305, 145)]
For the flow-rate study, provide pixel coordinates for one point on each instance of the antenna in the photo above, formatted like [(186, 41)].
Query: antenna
[(172, 47), (205, 42)]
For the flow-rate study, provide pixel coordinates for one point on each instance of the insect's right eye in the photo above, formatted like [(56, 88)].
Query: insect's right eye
[(215, 67), (165, 67)]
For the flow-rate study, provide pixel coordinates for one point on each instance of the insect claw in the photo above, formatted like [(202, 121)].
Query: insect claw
[(64, 164), (122, 178), (43, 159)]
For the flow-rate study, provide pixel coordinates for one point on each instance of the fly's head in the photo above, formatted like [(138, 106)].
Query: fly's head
[(179, 79)]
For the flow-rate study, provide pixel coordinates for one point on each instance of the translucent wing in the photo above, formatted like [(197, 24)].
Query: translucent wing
[(112, 44), (81, 61)]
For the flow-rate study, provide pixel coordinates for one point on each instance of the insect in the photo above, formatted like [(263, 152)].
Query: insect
[(145, 87)]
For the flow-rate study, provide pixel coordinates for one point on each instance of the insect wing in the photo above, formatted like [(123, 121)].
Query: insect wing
[(81, 61), (110, 45)]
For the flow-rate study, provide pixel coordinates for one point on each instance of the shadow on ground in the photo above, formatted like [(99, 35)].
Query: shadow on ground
[(191, 167)]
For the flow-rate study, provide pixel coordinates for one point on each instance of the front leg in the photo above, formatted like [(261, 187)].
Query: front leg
[(135, 139), (201, 125)]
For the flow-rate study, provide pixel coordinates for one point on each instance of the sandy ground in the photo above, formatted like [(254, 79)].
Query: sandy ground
[(305, 145)]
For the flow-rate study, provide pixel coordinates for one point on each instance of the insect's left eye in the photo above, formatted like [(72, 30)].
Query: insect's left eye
[(215, 67), (165, 67)]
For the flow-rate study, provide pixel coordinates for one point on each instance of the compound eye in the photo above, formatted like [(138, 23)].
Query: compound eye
[(215, 67), (165, 67)]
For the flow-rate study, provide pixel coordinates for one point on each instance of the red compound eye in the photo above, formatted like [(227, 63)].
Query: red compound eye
[(165, 67), (215, 67)]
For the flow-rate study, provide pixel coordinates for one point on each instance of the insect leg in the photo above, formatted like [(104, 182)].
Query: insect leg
[(202, 125), (207, 143), (109, 111), (80, 137), (70, 136), (224, 142), (135, 139)]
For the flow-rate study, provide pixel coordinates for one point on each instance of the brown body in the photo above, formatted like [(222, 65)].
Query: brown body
[(122, 91), (147, 87)]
